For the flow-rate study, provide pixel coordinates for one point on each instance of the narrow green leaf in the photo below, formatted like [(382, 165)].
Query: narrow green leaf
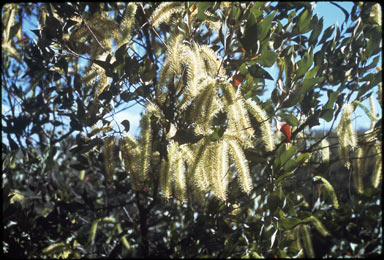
[(308, 84), (304, 22), (298, 94), (327, 33), (257, 72), (119, 54), (273, 238), (288, 154), (307, 241), (92, 232), (332, 97), (54, 248), (284, 176), (303, 157), (254, 15), (291, 165), (123, 238), (264, 26), (294, 163), (289, 223), (316, 32), (304, 64)]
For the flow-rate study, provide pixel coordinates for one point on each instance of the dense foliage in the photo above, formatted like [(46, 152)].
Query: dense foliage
[(217, 171)]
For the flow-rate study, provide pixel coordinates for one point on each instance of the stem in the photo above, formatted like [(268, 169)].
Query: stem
[(143, 227)]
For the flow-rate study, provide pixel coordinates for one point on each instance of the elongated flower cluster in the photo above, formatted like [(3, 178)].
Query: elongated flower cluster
[(347, 135), (216, 115), (126, 22), (370, 153), (265, 126), (377, 172), (130, 153), (357, 173), (164, 12), (205, 165), (137, 154), (325, 150), (189, 68), (95, 35), (108, 156), (146, 148)]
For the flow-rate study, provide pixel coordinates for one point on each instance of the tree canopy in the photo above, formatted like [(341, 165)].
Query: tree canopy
[(216, 171)]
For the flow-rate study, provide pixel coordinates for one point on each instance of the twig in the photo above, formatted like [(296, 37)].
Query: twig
[(126, 213), (93, 34), (153, 29)]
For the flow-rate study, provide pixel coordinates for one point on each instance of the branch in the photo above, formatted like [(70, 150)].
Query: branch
[(143, 226)]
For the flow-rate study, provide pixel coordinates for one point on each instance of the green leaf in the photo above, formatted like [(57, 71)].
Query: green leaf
[(308, 84), (327, 114), (267, 58), (243, 69), (54, 248), (304, 22), (291, 165), (119, 54), (302, 158), (288, 154), (264, 26), (312, 73), (149, 73), (290, 119), (254, 14), (363, 89), (294, 163), (327, 33), (332, 97), (307, 241), (289, 223), (298, 94), (273, 237), (304, 64), (316, 32), (275, 96), (257, 72), (215, 136), (126, 124), (274, 201), (284, 176), (92, 232), (289, 62), (202, 8)]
